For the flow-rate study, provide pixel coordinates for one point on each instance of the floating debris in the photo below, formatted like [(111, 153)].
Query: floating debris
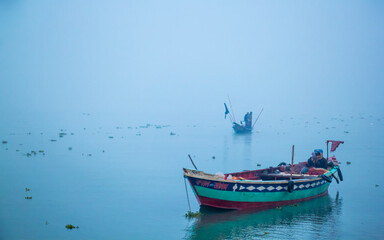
[(70, 226), (89, 155), (46, 222), (258, 164), (70, 148), (53, 140), (41, 151), (279, 208), (190, 214), (29, 198), (348, 162), (110, 137), (346, 132), (146, 126), (376, 185), (27, 189), (62, 134), (213, 157), (4, 142), (172, 134), (263, 234), (28, 154)]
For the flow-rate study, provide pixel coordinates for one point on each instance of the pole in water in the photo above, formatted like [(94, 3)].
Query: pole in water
[(293, 151), (186, 190), (192, 161)]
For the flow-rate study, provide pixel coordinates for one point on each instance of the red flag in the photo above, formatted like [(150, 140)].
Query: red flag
[(334, 145)]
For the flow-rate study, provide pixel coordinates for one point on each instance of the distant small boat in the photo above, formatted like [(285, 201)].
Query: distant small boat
[(245, 126), (260, 189)]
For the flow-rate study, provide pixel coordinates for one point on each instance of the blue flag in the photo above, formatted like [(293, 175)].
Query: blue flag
[(226, 111)]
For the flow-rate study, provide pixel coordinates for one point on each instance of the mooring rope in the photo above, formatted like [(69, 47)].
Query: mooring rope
[(186, 190)]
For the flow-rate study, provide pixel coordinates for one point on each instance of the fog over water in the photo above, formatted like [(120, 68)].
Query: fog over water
[(116, 93), (176, 61)]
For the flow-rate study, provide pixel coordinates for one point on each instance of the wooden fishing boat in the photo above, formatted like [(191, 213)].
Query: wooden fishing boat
[(245, 126), (241, 128), (262, 189)]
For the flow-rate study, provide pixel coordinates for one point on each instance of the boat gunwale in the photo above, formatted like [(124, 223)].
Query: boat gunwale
[(211, 177)]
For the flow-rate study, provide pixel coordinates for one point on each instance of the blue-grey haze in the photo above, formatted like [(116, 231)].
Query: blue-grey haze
[(103, 70)]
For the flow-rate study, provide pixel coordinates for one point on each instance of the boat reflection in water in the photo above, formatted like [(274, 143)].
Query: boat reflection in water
[(314, 219)]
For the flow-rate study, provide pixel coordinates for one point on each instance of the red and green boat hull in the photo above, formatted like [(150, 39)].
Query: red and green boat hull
[(255, 194)]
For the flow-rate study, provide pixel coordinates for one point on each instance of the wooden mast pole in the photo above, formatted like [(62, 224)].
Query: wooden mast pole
[(293, 151), (233, 113), (257, 117)]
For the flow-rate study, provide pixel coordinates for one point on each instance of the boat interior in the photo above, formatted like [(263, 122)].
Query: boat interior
[(282, 172)]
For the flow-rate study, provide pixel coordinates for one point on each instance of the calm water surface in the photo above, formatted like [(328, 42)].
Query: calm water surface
[(126, 182), (90, 92)]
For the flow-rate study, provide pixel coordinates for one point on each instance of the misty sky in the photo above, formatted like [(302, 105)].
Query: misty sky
[(176, 61)]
